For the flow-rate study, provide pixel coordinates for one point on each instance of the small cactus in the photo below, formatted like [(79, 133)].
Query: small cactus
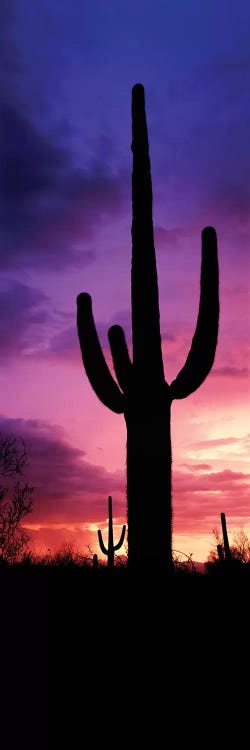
[(110, 551), (227, 550), (220, 553), (95, 562)]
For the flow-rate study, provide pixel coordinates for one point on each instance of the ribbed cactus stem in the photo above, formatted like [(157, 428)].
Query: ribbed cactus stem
[(227, 550), (112, 548)]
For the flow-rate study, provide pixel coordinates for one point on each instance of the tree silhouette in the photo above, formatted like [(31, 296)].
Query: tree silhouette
[(143, 395), (16, 499), (239, 550)]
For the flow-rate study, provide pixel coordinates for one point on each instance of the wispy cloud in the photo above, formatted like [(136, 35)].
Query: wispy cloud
[(217, 442), (230, 372)]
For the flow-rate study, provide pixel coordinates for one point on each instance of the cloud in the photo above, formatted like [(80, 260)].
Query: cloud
[(49, 208), (198, 499), (29, 326), (51, 205), (67, 488), (23, 318), (230, 372), (217, 442), (197, 467)]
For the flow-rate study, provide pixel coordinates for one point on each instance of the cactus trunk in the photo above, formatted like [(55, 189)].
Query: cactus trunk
[(149, 488), (148, 412), (111, 551), (220, 553)]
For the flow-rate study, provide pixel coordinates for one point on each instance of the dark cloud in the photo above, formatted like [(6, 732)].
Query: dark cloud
[(10, 63), (230, 372), (29, 326), (67, 488), (49, 209), (23, 319), (50, 203)]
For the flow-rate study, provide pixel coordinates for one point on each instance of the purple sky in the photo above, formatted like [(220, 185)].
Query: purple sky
[(66, 73)]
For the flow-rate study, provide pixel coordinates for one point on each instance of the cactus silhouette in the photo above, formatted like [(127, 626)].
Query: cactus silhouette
[(112, 548), (143, 395), (227, 550), (95, 561), (220, 553)]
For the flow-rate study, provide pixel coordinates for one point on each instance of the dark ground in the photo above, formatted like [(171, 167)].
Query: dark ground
[(75, 642)]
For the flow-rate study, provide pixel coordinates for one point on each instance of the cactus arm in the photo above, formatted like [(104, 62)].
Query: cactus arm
[(94, 362), (201, 356), (147, 356), (120, 355), (101, 543), (120, 543)]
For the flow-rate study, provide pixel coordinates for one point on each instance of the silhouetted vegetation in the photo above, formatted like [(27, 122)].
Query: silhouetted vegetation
[(15, 499), (143, 395), (237, 561)]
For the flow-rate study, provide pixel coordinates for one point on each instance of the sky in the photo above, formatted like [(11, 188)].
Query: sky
[(66, 74)]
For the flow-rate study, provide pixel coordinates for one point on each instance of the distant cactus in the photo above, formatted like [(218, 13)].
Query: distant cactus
[(95, 562), (220, 553), (227, 550), (143, 395), (112, 548)]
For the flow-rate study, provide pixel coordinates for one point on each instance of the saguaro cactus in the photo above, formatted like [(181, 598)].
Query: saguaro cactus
[(112, 548), (143, 395), (220, 553), (227, 550)]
